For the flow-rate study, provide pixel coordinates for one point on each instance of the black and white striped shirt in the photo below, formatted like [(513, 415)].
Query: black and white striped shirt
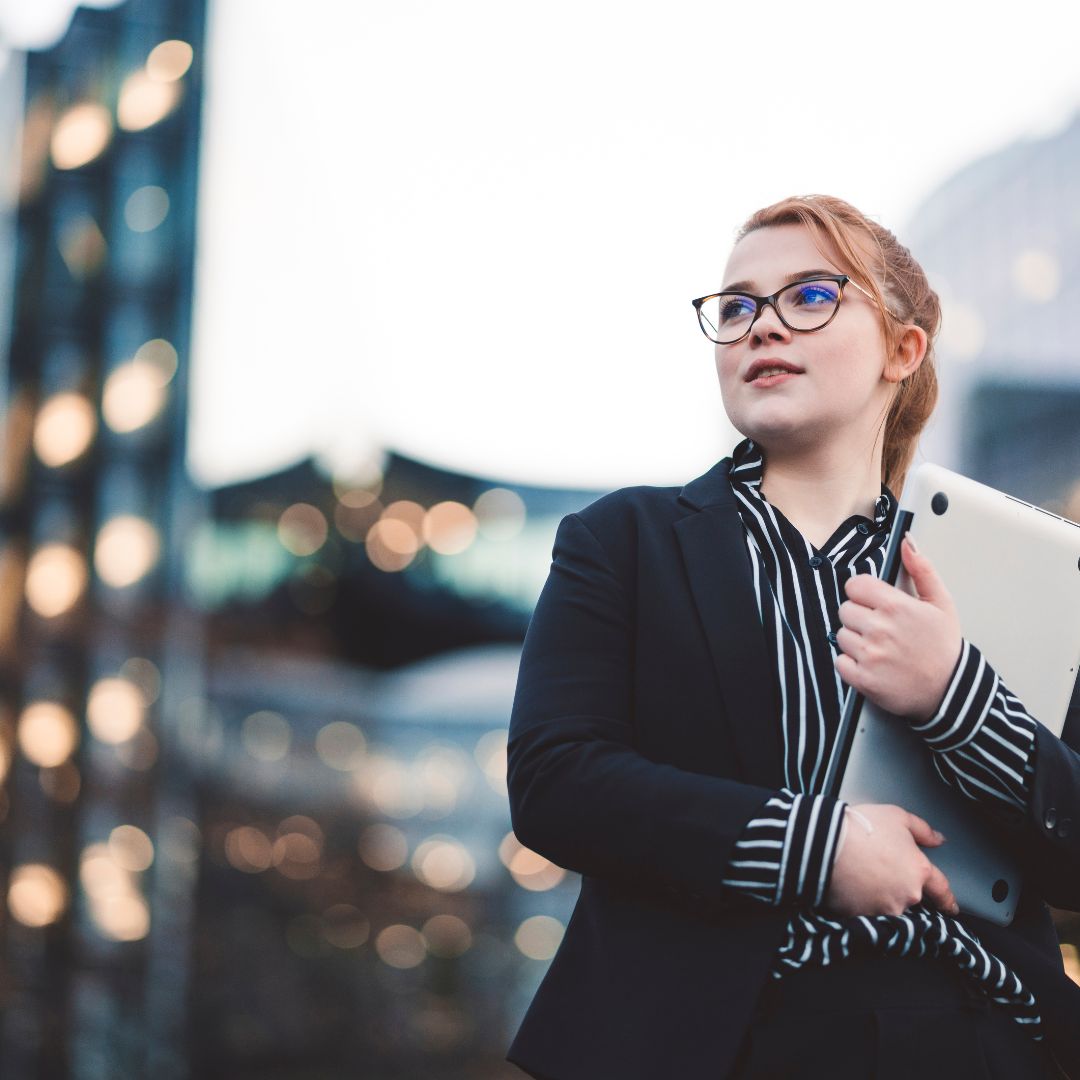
[(982, 736)]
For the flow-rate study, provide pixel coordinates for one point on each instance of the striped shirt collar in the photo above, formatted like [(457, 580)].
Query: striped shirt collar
[(748, 467)]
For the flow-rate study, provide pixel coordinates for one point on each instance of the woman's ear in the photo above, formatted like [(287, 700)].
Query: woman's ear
[(908, 354)]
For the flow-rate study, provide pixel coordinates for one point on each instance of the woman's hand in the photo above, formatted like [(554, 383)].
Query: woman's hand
[(899, 650), (883, 872)]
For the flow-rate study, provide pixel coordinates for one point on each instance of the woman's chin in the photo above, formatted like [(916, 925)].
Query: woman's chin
[(780, 431)]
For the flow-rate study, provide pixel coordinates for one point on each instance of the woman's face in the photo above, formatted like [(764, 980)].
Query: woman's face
[(837, 388)]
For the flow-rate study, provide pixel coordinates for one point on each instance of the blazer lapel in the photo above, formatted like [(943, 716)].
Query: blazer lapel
[(714, 551)]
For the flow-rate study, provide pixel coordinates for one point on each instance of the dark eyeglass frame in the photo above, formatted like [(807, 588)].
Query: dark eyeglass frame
[(761, 301)]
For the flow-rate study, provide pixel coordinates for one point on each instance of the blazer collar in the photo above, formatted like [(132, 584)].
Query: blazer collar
[(713, 547)]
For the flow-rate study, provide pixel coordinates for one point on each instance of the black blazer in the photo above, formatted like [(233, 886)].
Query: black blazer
[(645, 734)]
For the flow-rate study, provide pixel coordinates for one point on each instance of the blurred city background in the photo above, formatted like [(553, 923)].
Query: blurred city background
[(287, 428)]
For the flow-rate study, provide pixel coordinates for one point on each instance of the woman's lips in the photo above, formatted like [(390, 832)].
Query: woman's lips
[(765, 381)]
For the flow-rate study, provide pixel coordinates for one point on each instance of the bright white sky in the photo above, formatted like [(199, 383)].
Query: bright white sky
[(471, 231)]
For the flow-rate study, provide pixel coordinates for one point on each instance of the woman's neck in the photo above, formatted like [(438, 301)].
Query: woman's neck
[(817, 491)]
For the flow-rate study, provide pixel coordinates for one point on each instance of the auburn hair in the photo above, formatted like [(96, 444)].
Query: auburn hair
[(873, 257)]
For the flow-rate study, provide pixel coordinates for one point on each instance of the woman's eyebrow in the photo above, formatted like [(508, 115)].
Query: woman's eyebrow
[(799, 275)]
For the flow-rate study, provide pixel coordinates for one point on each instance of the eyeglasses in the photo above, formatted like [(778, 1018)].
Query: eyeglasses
[(727, 317)]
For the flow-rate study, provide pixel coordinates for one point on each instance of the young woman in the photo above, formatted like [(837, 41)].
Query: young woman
[(679, 692)]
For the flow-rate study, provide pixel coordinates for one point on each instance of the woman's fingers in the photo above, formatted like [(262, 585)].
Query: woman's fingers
[(850, 642), (939, 893), (925, 835), (856, 617)]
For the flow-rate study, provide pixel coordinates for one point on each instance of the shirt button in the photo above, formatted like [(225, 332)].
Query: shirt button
[(1050, 817), (816, 561), (1064, 827), (863, 528), (832, 641)]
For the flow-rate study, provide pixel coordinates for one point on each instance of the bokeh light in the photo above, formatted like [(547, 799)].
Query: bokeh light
[(538, 937), (145, 675), (302, 529), (446, 935), (391, 544), (388, 786), (123, 917), (179, 839), (81, 134), (37, 894), (1037, 274), (64, 429), (249, 849), (266, 735), (146, 208), (55, 579), (400, 946), (383, 847), (298, 848), (131, 848), (490, 754), (443, 863), (345, 927), (114, 709), (140, 752), (341, 745), (169, 60), (500, 513), (443, 771), (530, 870), (963, 331), (133, 395), (48, 733), (449, 527), (406, 511), (144, 101), (127, 549), (354, 522), (82, 246), (161, 354)]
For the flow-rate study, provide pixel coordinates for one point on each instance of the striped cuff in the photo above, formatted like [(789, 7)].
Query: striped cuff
[(983, 737), (813, 833), (967, 700), (785, 855), (997, 765)]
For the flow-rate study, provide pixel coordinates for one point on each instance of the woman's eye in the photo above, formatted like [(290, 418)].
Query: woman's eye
[(735, 307), (814, 294)]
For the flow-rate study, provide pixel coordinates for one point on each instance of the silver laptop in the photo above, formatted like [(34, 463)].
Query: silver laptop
[(1014, 573)]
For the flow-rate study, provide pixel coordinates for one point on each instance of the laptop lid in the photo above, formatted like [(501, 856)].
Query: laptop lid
[(1013, 570)]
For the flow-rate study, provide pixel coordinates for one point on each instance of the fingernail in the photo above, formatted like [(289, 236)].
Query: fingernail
[(907, 537), (955, 909), (939, 837)]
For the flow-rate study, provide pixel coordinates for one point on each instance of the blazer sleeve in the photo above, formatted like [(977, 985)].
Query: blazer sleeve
[(580, 792), (1049, 840)]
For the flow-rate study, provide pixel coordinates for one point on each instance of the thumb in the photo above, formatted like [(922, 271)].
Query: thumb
[(924, 577)]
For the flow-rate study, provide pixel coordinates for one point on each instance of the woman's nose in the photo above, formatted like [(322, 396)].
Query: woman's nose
[(767, 326)]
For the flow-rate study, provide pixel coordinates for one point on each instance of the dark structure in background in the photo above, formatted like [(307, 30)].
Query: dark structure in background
[(252, 741), (99, 659)]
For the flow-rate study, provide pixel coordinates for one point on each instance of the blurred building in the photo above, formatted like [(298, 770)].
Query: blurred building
[(253, 817), (97, 647), (1001, 243)]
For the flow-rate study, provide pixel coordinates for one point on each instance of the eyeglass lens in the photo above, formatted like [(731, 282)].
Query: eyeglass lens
[(803, 305)]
